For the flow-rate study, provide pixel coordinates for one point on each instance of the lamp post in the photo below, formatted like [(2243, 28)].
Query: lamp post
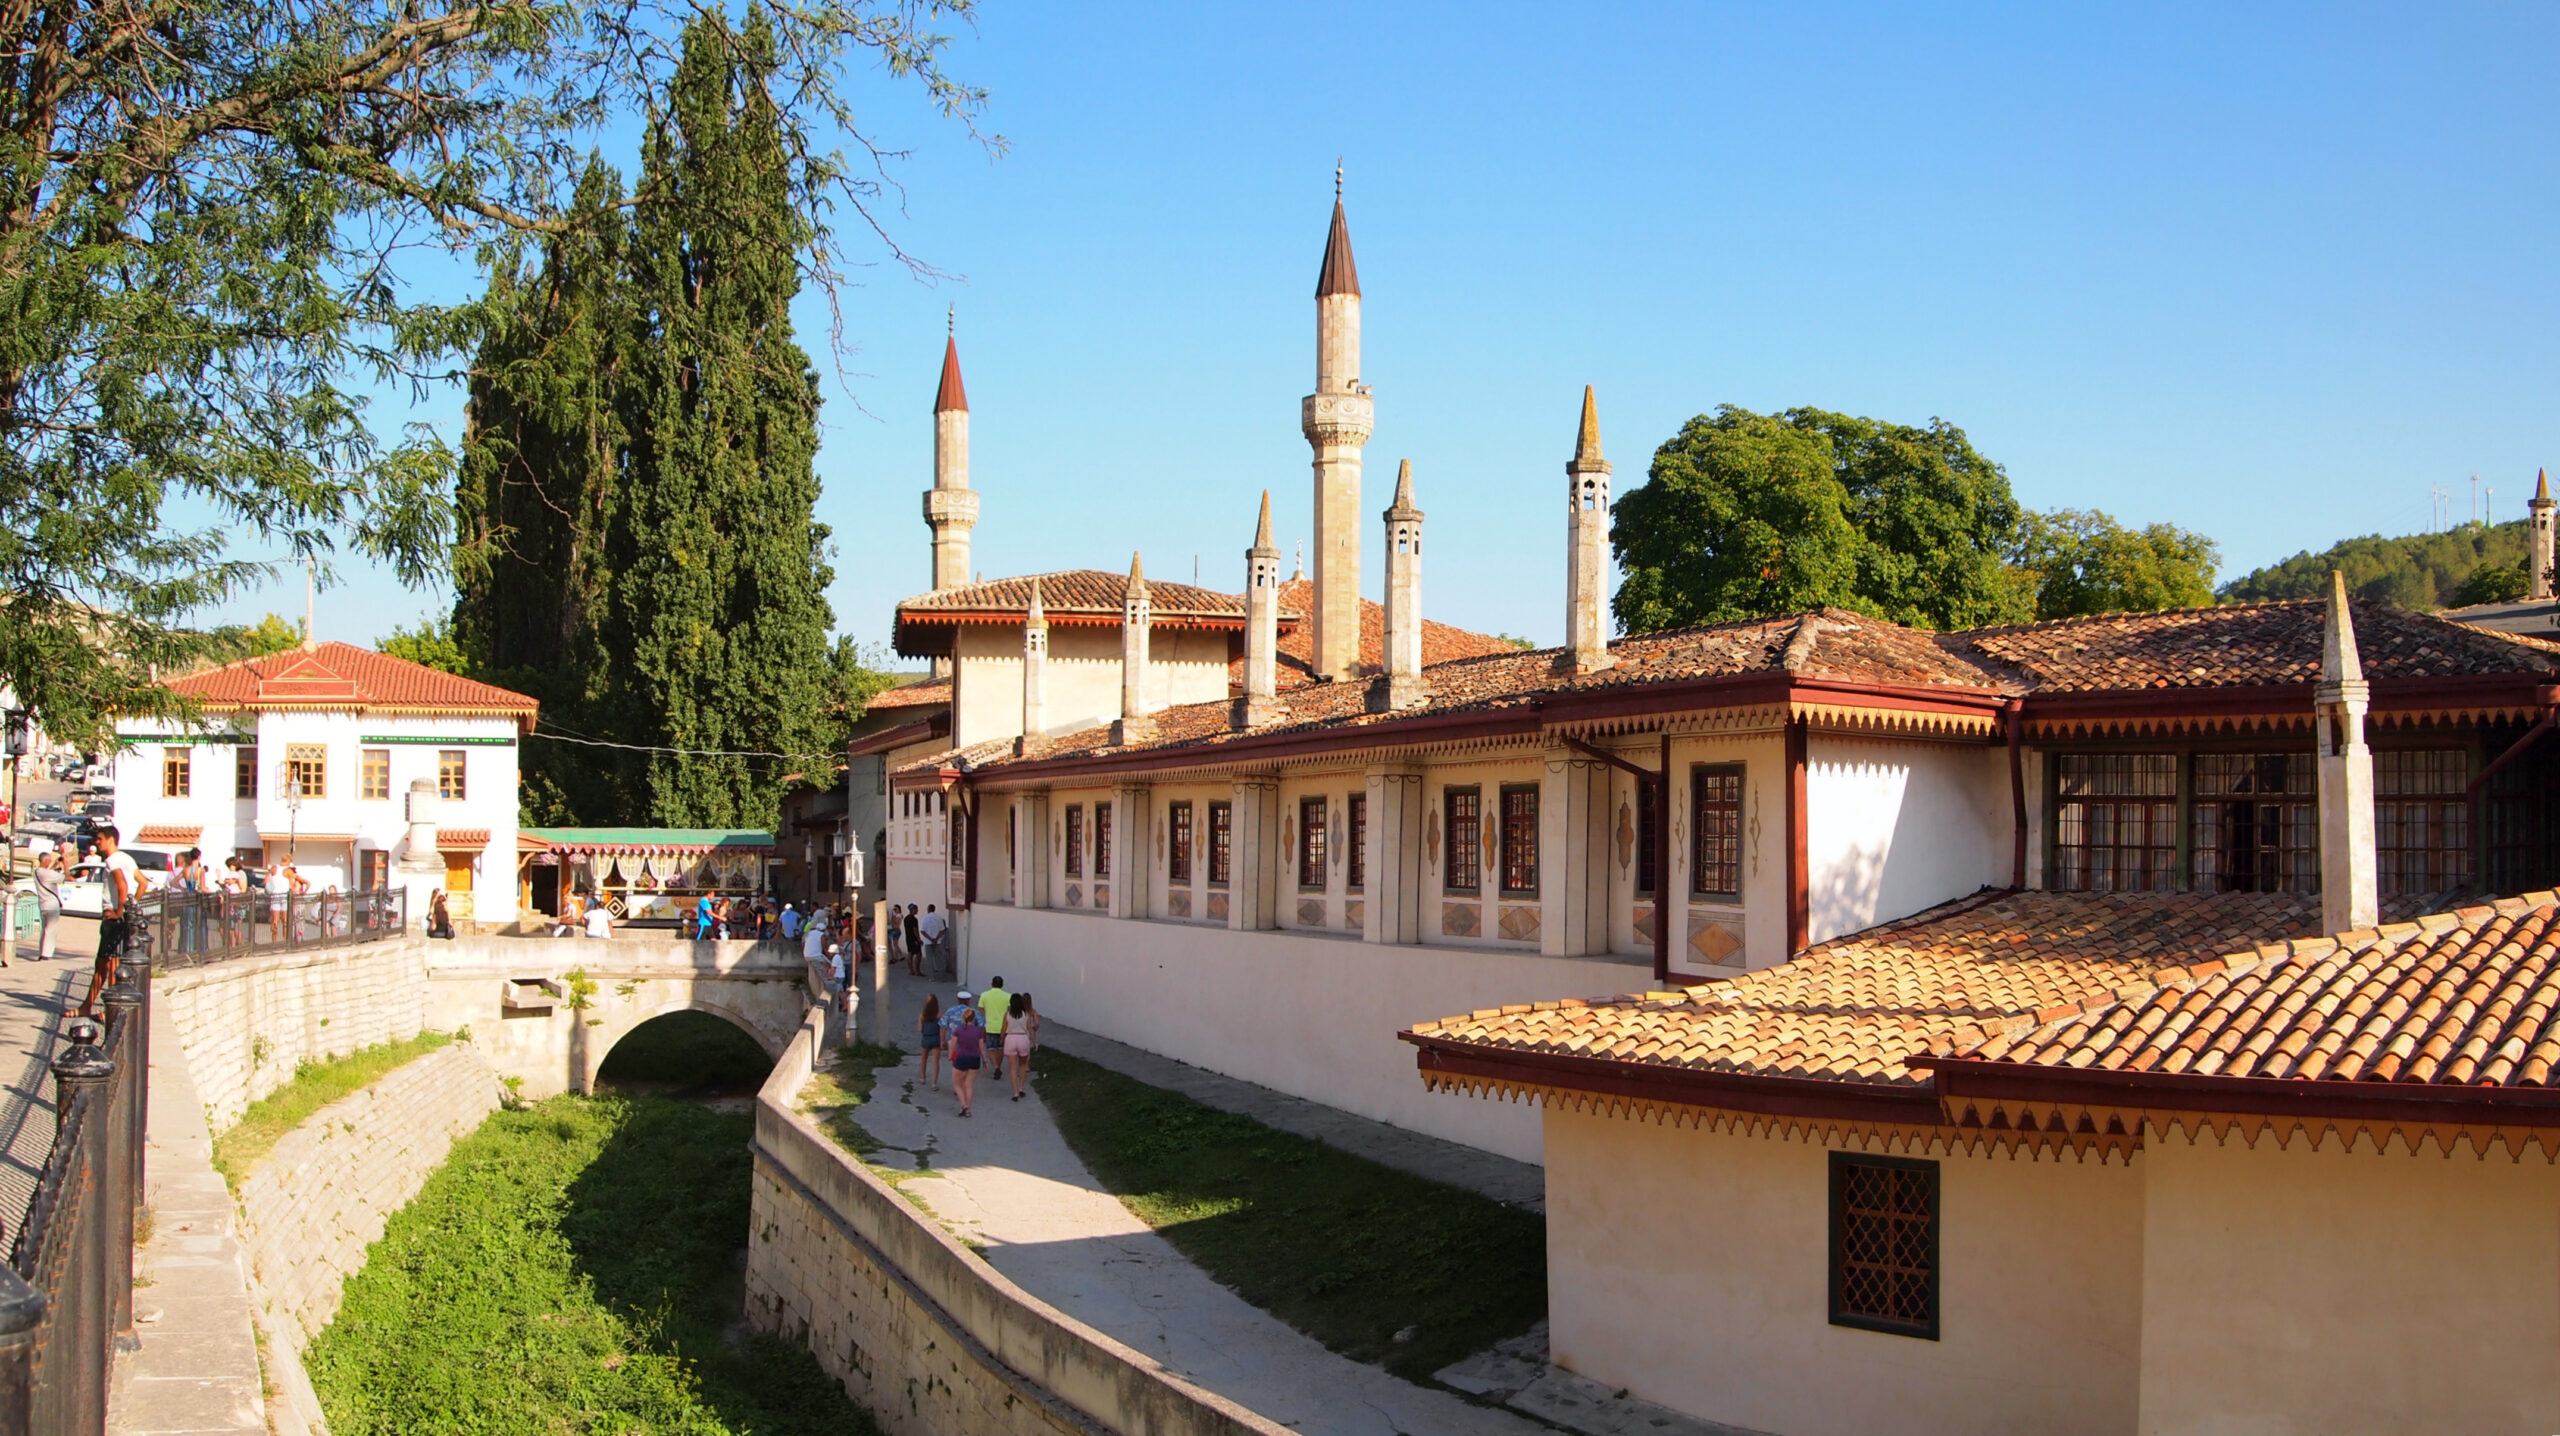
[(13, 741), (289, 787)]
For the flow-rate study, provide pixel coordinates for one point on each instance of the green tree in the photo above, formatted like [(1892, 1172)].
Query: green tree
[(2082, 562), (718, 622), (206, 213), (1937, 518), (2493, 583), (2427, 570), (271, 634), (431, 643), (1742, 515)]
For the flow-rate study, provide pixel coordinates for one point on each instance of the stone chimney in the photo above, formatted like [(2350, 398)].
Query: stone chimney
[(421, 863), (1261, 702), (1136, 613), (1402, 687), (2347, 879), (1035, 674), (2538, 527), (1586, 582)]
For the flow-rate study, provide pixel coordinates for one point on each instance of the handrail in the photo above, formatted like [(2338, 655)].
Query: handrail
[(191, 929)]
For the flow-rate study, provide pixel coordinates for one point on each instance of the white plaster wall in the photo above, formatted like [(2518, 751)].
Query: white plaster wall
[(1082, 687), (2292, 1290), (1892, 828), (1313, 1016), (1691, 1268)]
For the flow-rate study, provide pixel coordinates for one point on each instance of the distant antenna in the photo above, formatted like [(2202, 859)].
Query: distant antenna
[(2475, 498)]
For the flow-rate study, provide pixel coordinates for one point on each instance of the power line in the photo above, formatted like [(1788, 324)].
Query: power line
[(679, 752)]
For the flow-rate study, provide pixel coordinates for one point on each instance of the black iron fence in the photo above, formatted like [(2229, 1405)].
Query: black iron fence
[(187, 929)]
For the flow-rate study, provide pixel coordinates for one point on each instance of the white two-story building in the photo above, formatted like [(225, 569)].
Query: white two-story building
[(312, 753)]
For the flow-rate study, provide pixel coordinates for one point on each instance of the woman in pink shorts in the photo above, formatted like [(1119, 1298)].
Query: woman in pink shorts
[(1021, 1034)]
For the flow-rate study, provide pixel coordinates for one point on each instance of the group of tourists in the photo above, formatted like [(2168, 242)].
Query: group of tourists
[(916, 938), (961, 1034)]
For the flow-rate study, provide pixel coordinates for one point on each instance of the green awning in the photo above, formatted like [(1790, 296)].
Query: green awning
[(650, 840)]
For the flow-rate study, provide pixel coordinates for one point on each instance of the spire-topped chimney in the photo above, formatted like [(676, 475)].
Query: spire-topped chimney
[(1035, 673), (1336, 419), (1261, 703), (1136, 612), (1586, 600), (1402, 687), (2347, 883), (2538, 513), (950, 507)]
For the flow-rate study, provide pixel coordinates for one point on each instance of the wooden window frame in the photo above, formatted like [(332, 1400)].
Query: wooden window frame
[(299, 761), (1462, 840), (2295, 850), (1648, 877), (453, 774), (1177, 839), (1355, 860), (1101, 841), (958, 827), (1726, 835), (374, 764), (1222, 843), (177, 772), (1518, 869), (1075, 840), (244, 773), (2449, 859), (1312, 836), (1841, 1314), (373, 870)]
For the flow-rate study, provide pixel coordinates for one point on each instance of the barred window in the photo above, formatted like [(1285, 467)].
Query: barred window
[(373, 780), (1464, 818), (2257, 823), (2422, 819), (453, 773), (1075, 840), (1358, 840), (306, 769), (1177, 852), (1715, 829), (1884, 1244), (1222, 842), (1520, 842), (177, 772), (1102, 840), (959, 844), (1311, 842), (1648, 812), (2115, 822), (244, 771)]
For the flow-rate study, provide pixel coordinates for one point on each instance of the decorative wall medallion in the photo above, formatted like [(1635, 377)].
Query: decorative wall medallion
[(1355, 914), (1755, 830), (1218, 907), (1644, 922), (1177, 903), (1336, 846), (1311, 912), (1626, 834), (1518, 923), (1075, 895), (1461, 919), (1101, 896), (1492, 852), (1159, 842), (1716, 940), (1431, 838), (1288, 833)]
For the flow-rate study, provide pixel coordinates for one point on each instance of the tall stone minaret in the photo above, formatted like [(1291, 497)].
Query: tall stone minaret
[(950, 507), (2538, 529), (1404, 596), (1035, 673), (1337, 419), (1136, 613), (2338, 703), (1586, 559), (1261, 703)]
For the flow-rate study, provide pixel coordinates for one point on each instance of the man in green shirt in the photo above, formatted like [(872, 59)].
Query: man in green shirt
[(993, 1002)]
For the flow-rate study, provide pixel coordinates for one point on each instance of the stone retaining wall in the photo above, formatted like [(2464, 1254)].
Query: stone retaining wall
[(927, 1337), (249, 1021)]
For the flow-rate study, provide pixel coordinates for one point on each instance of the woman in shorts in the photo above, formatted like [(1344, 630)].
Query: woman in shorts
[(968, 1054), (929, 1039), (1021, 1027)]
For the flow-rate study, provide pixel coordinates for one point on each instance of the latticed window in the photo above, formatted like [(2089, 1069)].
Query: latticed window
[(373, 870), (1648, 812), (2257, 823), (1520, 842), (1102, 840), (959, 837), (177, 772), (1464, 818), (1075, 840), (453, 774), (2422, 819), (1311, 842), (306, 770), (1357, 840), (2115, 822), (373, 779), (1222, 842), (1177, 855), (1884, 1244), (1715, 828)]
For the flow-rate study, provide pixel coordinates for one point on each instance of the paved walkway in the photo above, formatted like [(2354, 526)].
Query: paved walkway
[(34, 997), (1006, 1181)]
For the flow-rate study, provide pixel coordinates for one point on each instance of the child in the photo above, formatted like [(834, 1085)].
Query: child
[(930, 1039)]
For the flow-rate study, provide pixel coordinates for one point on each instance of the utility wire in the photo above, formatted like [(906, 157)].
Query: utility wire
[(680, 752)]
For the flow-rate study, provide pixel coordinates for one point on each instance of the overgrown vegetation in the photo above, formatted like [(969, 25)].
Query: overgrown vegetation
[(315, 1085), (1345, 1250), (832, 1094), (574, 1267)]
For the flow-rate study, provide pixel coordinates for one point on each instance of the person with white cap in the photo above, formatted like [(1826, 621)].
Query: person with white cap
[(968, 1051)]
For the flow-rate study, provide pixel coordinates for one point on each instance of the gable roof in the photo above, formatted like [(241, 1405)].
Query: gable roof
[(341, 676), (1087, 597), (2238, 645)]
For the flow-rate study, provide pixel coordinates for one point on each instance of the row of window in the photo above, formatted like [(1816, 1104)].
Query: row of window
[(2251, 821), (306, 770)]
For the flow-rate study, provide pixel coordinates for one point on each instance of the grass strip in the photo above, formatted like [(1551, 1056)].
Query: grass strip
[(315, 1085), (1343, 1249), (575, 1266), (835, 1092)]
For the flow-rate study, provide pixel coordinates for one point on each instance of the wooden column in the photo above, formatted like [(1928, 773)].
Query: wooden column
[(1253, 879)]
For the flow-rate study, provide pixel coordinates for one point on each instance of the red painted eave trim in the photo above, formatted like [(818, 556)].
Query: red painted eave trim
[(1957, 1078), (1731, 1091)]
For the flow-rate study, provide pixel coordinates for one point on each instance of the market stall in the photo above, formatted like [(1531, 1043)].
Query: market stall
[(644, 874)]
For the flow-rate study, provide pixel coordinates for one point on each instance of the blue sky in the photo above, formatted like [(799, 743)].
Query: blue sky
[(2270, 275)]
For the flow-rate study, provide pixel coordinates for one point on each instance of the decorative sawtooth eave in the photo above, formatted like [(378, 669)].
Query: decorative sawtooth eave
[(2374, 1135), (1866, 722), (2238, 725)]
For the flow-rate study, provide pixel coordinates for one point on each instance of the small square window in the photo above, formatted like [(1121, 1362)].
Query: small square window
[(306, 771), (375, 778), (452, 774), (1884, 1244)]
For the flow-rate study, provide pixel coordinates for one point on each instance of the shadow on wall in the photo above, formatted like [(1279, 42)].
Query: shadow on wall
[(1896, 839), (691, 1054)]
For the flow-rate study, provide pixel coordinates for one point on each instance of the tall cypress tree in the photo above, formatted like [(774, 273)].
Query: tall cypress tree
[(718, 620)]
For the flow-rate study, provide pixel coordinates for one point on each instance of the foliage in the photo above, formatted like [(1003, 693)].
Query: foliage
[(315, 1085), (271, 634), (2494, 583), (834, 1094), (2420, 571), (1937, 517), (1515, 640), (2080, 562), (207, 214), (1343, 1249), (689, 1053), (1745, 514), (572, 1267), (429, 642)]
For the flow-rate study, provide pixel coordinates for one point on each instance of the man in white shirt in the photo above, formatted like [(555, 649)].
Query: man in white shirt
[(121, 881), (933, 928), (599, 920)]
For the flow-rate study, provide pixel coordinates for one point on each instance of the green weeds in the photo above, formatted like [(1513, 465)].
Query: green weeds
[(315, 1085)]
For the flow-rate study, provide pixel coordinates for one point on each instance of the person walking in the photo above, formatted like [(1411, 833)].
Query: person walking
[(702, 918), (1021, 1034), (991, 1007), (48, 878), (915, 943), (968, 1054), (929, 1043)]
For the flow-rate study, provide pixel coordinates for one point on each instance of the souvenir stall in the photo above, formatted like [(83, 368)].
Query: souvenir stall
[(644, 874)]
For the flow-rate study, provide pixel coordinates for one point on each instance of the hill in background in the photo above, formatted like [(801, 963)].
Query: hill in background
[(2420, 571)]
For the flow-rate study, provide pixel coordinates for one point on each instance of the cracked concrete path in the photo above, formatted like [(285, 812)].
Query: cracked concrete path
[(1006, 1181)]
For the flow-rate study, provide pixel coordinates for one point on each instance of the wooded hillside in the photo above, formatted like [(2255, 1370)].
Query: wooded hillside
[(2426, 570)]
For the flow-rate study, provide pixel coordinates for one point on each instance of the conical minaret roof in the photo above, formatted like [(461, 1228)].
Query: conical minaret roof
[(2338, 660), (1340, 275), (1586, 447), (1262, 531), (2542, 486), (1403, 507), (1038, 616), (1137, 577), (951, 395)]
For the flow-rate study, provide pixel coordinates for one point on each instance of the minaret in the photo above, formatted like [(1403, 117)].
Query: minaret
[(2538, 521), (2347, 886), (1135, 613), (1403, 685), (1261, 702), (1586, 554), (1337, 419), (950, 507), (1035, 673)]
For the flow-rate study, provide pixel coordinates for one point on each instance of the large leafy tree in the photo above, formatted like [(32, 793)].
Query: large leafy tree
[(1743, 514), (206, 209), (2083, 562), (1937, 518)]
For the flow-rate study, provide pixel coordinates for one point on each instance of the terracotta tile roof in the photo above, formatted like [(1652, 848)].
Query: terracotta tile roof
[(166, 835), (1855, 1009), (2464, 998), (2240, 644), (461, 840), (1076, 592), (933, 693), (1441, 643), (341, 675)]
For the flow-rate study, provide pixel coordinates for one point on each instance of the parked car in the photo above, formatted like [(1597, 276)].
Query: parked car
[(83, 895), (46, 812), (98, 809)]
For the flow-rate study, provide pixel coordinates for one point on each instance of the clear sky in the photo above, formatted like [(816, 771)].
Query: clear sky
[(2270, 276)]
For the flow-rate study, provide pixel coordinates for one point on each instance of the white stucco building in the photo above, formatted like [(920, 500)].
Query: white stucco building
[(315, 752)]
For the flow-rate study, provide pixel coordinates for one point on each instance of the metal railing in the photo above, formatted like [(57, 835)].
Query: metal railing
[(189, 929), (66, 1296)]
